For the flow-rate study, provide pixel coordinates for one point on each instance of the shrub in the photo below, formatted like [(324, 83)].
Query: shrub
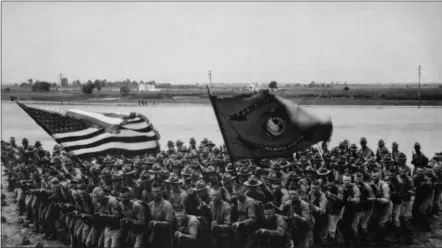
[(41, 86), (124, 90), (88, 88), (273, 85)]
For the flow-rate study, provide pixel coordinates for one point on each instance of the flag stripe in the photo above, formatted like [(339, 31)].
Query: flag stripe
[(93, 132), (119, 146), (104, 135), (136, 120), (76, 113), (95, 119), (133, 139), (75, 134), (144, 130), (136, 126), (82, 137)]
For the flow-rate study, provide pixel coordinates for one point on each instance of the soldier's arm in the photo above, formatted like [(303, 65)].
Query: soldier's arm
[(193, 229), (385, 194), (285, 196), (226, 217), (369, 190), (339, 196), (323, 204), (183, 198), (226, 195), (139, 214), (357, 194), (411, 188), (251, 214), (281, 226), (304, 217), (283, 208), (114, 208)]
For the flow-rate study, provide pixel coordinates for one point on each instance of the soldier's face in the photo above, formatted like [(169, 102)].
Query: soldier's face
[(275, 188), (238, 193), (216, 195), (180, 216), (125, 197), (419, 172), (363, 143), (315, 188), (358, 179), (346, 180), (294, 195), (117, 183), (175, 186), (156, 192), (375, 177), (97, 198)]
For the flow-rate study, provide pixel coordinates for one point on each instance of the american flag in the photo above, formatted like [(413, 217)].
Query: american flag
[(90, 134)]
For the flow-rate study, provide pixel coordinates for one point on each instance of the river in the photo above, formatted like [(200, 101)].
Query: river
[(405, 125)]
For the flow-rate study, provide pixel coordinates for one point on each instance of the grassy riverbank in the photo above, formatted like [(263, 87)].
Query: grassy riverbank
[(204, 101), (386, 96)]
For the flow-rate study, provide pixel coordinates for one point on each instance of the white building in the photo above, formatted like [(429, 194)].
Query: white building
[(147, 87), (254, 87)]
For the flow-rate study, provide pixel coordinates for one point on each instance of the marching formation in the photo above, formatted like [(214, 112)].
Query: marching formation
[(194, 196)]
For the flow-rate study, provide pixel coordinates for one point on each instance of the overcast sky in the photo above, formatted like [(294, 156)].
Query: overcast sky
[(239, 42)]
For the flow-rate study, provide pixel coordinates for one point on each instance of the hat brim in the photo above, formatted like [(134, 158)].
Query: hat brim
[(150, 179), (198, 190), (176, 182), (228, 180), (244, 174), (252, 185), (323, 173)]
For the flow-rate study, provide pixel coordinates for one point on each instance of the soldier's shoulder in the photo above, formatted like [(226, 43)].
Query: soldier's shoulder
[(167, 203), (193, 220), (280, 218), (225, 205), (250, 201), (304, 204)]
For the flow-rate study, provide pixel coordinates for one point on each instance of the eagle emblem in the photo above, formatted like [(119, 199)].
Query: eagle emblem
[(275, 126)]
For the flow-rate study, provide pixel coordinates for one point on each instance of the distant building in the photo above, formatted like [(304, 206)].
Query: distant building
[(147, 87), (254, 87)]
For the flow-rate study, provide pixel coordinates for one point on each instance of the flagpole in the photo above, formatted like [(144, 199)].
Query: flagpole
[(229, 151)]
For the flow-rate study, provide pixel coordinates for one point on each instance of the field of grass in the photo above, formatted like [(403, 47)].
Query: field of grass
[(356, 95)]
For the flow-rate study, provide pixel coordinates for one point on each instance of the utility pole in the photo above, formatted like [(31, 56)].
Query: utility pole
[(419, 91), (210, 78), (60, 90)]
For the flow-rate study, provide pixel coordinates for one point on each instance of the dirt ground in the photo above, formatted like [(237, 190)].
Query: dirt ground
[(12, 233)]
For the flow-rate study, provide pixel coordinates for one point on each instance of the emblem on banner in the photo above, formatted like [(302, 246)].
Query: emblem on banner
[(275, 126)]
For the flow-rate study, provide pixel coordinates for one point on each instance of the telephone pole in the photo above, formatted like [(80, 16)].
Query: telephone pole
[(419, 91), (60, 90), (210, 78)]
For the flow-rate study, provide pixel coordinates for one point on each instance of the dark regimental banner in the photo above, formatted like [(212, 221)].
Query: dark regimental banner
[(88, 134), (265, 125)]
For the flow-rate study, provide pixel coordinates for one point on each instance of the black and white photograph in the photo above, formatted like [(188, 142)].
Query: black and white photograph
[(221, 124)]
